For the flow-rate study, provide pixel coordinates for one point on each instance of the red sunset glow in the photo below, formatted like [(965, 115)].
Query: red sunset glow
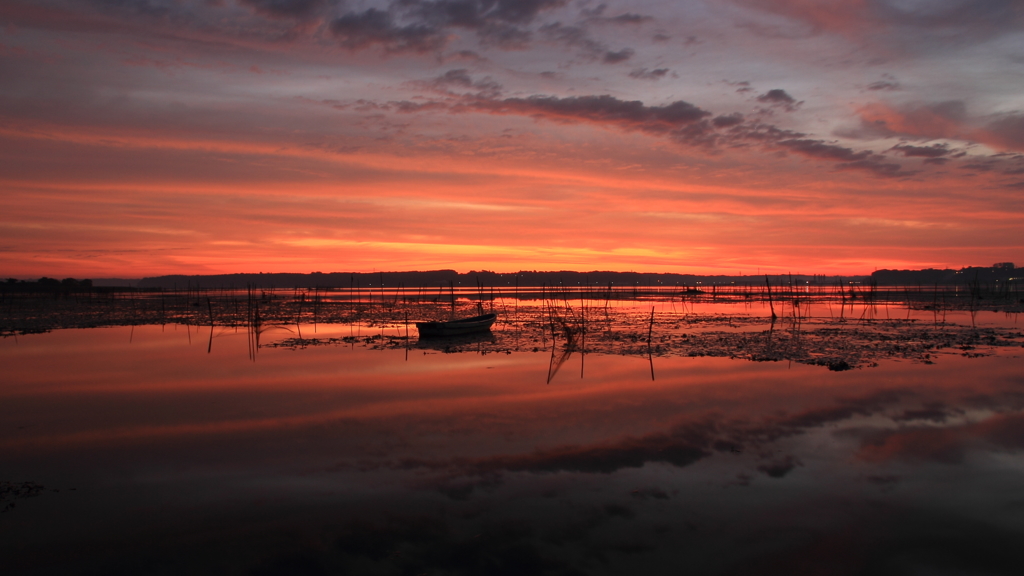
[(197, 137)]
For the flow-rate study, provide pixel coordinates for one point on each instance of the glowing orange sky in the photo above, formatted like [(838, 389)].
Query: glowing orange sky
[(707, 137)]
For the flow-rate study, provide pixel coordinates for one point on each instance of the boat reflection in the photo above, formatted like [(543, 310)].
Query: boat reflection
[(475, 342)]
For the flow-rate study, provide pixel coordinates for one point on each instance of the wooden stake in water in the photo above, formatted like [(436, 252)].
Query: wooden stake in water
[(770, 303), (451, 288), (650, 331)]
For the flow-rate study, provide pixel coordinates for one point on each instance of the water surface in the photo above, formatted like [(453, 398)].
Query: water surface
[(158, 450)]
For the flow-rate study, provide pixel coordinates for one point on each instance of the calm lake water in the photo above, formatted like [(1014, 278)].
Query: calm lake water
[(156, 450)]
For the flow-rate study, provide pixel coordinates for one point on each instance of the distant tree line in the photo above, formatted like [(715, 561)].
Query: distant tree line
[(1002, 272), (47, 285), (483, 278)]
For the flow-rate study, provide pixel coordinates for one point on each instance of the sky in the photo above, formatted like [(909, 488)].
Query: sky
[(149, 137)]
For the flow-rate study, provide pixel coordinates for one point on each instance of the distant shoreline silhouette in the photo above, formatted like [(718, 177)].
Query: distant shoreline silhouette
[(1000, 272)]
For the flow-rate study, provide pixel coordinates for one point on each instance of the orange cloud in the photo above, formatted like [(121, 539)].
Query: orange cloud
[(942, 120)]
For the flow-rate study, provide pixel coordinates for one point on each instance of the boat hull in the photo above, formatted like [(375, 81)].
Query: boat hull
[(456, 327)]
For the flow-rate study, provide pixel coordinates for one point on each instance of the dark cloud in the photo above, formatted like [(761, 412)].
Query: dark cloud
[(756, 132), (680, 121), (684, 123), (475, 14), (578, 37), (94, 17), (407, 107), (630, 18), (980, 166), (357, 31), (160, 8), (418, 26), (595, 12), (820, 149), (573, 36), (604, 109), (728, 120), (742, 86), (597, 15), (285, 8), (776, 96), (646, 493), (520, 11), (460, 78), (780, 467), (504, 36), (876, 164), (614, 57), (645, 74), (495, 25), (884, 85), (465, 13), (780, 98), (933, 151), (165, 18), (465, 55), (373, 109)]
